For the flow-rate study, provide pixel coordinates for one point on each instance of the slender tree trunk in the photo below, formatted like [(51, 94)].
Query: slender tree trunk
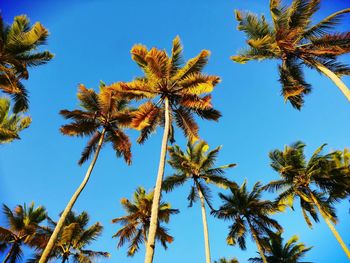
[(47, 251), (256, 239), (330, 225), (205, 227), (10, 252), (64, 259), (158, 188), (337, 81)]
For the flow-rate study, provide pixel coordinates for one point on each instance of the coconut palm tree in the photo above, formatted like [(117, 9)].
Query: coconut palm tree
[(23, 229), (19, 44), (296, 42), (11, 124), (277, 252), (73, 240), (173, 92), (224, 260), (313, 182), (102, 118), (198, 166), (249, 213), (137, 221)]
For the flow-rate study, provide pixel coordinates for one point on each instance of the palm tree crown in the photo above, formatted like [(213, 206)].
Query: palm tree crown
[(166, 78), (224, 260), (75, 237), (249, 213), (318, 183), (296, 42), (18, 51), (102, 114), (197, 165), (277, 252), (23, 228), (136, 222), (11, 124), (323, 177)]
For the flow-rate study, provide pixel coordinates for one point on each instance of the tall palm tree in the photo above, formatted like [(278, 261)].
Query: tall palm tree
[(313, 182), (173, 92), (277, 252), (249, 213), (74, 238), (198, 166), (137, 221), (102, 118), (19, 43), (224, 260), (23, 228), (11, 124), (297, 43)]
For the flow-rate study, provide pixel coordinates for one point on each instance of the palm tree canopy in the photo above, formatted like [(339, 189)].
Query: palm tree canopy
[(23, 227), (296, 42), (278, 252), (248, 212), (196, 164), (166, 77), (100, 111), (224, 260), (75, 237), (11, 124), (326, 176), (136, 222), (19, 44)]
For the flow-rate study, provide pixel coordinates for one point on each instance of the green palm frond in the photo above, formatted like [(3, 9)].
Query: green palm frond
[(293, 40), (19, 44), (135, 223), (100, 112)]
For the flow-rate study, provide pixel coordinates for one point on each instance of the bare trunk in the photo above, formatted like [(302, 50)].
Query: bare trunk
[(158, 189), (205, 227), (256, 239), (47, 251), (337, 81), (331, 227)]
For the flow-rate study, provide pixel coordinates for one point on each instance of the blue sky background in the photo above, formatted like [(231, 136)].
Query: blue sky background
[(91, 40)]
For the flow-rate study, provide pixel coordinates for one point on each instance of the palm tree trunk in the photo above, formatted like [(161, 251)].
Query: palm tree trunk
[(337, 81), (47, 251), (205, 227), (158, 188), (330, 225), (256, 239)]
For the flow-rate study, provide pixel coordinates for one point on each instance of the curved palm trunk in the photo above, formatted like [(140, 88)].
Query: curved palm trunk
[(255, 236), (337, 81), (158, 188), (47, 251), (205, 227), (330, 225)]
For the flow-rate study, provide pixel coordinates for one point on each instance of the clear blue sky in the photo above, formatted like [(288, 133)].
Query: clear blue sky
[(91, 41)]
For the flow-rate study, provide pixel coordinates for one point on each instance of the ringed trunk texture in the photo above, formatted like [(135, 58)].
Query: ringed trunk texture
[(337, 81), (158, 189), (331, 226), (47, 251), (252, 230), (205, 227)]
